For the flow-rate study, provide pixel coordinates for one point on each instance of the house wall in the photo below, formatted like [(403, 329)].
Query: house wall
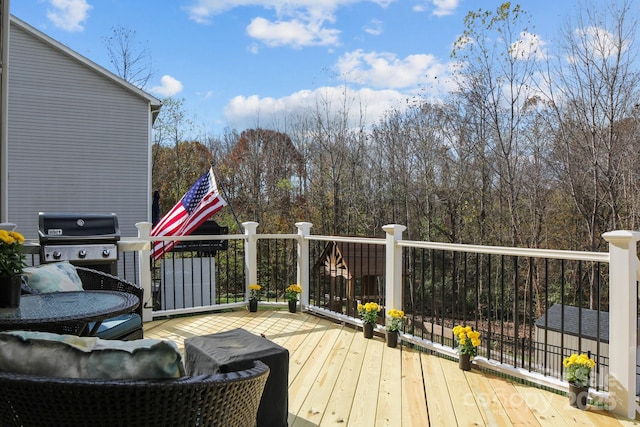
[(77, 140)]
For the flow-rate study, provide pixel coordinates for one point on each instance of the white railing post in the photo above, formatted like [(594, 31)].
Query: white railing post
[(144, 272), (623, 320), (250, 255), (304, 229), (393, 270)]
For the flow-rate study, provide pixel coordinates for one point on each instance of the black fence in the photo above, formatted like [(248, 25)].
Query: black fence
[(510, 299)]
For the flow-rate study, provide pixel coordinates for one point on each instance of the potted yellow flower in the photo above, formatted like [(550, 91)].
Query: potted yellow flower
[(11, 267), (254, 297), (468, 341), (577, 372), (369, 313), (291, 294), (395, 319)]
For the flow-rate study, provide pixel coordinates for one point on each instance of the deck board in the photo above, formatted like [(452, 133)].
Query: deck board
[(340, 402), (389, 406), (439, 401), (339, 378), (414, 404), (490, 407), (363, 407)]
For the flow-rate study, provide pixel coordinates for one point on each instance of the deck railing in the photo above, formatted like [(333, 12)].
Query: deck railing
[(508, 294)]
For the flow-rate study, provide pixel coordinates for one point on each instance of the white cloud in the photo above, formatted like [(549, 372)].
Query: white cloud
[(69, 14), (445, 7), (169, 86), (529, 46), (381, 69), (600, 42), (252, 111), (374, 28), (298, 23), (294, 33), (202, 10)]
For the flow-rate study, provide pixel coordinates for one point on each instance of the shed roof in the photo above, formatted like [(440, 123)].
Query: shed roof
[(590, 321)]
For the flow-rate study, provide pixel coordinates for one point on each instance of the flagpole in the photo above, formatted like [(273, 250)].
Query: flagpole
[(224, 194)]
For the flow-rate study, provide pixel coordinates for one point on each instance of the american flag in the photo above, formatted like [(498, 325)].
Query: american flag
[(199, 203)]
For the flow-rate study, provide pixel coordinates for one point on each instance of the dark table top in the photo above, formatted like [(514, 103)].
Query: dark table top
[(46, 310)]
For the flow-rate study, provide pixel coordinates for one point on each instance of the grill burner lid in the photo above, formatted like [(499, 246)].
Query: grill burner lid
[(79, 238), (78, 228)]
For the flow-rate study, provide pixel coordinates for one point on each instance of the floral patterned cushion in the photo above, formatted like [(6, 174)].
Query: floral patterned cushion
[(55, 277), (68, 356)]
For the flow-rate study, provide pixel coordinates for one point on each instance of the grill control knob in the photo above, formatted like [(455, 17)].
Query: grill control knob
[(106, 253), (57, 254), (82, 253)]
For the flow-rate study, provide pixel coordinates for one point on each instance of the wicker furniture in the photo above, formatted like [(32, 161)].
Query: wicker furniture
[(235, 350), (229, 399), (83, 311), (98, 280), (127, 327)]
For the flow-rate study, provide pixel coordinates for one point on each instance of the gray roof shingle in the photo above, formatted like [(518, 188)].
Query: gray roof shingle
[(572, 314)]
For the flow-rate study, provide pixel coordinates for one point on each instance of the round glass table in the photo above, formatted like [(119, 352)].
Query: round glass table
[(67, 312)]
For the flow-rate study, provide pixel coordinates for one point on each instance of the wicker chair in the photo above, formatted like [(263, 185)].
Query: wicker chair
[(230, 399)]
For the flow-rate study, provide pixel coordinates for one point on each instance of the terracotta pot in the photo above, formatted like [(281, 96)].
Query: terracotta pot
[(293, 306), (253, 305), (10, 291), (367, 330), (578, 396), (392, 338), (464, 362)]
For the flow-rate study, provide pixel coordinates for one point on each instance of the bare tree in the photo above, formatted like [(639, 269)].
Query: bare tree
[(594, 97), (496, 55), (131, 59)]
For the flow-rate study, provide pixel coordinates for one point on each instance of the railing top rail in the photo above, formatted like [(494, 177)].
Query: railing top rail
[(371, 240), (195, 238), (277, 236), (499, 250)]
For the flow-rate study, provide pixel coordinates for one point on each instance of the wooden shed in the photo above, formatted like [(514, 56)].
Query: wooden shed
[(351, 273)]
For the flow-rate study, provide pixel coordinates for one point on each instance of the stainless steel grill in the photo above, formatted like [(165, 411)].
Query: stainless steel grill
[(86, 239)]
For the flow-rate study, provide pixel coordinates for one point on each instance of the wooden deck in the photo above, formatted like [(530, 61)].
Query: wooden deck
[(338, 378)]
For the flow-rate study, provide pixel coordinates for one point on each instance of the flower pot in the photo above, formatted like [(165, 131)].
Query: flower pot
[(392, 338), (293, 306), (253, 305), (578, 396), (464, 362), (367, 330), (10, 291)]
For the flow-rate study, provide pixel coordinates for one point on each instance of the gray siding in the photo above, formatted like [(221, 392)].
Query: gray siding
[(78, 141)]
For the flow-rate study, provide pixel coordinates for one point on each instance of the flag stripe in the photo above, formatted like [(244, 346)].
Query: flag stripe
[(195, 207)]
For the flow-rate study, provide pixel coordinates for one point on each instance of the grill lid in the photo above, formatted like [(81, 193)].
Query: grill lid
[(61, 228)]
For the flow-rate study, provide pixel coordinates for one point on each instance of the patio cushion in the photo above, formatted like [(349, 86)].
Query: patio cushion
[(54, 277), (118, 326), (68, 356)]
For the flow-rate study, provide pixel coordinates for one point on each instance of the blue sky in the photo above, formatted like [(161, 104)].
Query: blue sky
[(249, 63)]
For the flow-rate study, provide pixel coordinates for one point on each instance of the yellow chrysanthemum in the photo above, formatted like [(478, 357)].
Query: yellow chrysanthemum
[(294, 288), (468, 339), (395, 314), (19, 238), (578, 368)]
